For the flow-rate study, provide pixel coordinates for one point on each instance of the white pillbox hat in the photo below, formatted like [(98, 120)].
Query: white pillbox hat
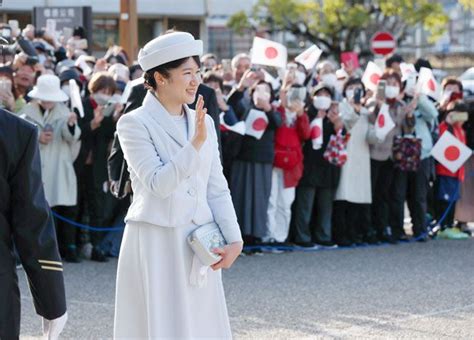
[(168, 47)]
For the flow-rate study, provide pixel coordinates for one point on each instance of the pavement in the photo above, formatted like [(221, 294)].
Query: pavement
[(409, 290)]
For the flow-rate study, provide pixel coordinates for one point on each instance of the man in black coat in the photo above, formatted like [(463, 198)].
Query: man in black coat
[(26, 224)]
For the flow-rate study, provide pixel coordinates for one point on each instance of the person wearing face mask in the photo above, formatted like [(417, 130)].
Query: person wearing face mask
[(288, 163), (464, 212), (9, 96), (251, 174), (413, 186), (59, 146), (327, 74), (91, 164), (448, 183), (67, 75), (382, 166), (351, 216), (315, 192), (295, 74)]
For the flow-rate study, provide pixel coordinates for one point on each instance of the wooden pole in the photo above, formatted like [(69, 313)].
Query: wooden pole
[(128, 28)]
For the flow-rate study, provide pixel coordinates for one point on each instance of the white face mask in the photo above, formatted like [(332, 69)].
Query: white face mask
[(329, 79), (392, 91), (300, 77), (321, 102), (115, 98), (350, 94), (260, 93), (101, 99), (66, 90)]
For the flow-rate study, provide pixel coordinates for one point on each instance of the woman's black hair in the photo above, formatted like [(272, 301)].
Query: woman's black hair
[(164, 69), (353, 81)]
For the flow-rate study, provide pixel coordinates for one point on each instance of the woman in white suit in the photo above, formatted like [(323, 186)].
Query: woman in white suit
[(163, 291)]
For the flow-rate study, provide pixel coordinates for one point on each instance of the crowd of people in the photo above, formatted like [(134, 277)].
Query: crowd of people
[(309, 170)]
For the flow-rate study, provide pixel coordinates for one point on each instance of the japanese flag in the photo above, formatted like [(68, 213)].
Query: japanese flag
[(75, 96), (408, 70), (237, 127), (256, 123), (372, 76), (451, 152), (309, 57), (384, 123), (428, 85), (316, 127), (268, 53)]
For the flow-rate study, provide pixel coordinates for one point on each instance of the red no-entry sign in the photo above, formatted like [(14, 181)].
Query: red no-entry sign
[(383, 43)]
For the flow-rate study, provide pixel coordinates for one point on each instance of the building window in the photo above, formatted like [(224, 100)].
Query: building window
[(104, 33)]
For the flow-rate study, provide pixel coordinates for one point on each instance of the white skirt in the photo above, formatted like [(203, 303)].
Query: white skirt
[(154, 298)]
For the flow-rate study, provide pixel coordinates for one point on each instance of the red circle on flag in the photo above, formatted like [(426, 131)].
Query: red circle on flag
[(271, 52), (381, 121), (259, 124), (315, 132), (374, 78), (383, 43), (432, 85), (452, 153)]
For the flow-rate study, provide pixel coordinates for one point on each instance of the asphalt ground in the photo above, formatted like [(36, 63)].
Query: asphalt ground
[(409, 290)]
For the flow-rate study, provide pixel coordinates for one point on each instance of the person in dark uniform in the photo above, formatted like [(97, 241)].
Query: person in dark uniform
[(26, 224)]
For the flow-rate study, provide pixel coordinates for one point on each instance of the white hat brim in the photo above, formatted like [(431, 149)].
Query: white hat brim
[(52, 96), (170, 53)]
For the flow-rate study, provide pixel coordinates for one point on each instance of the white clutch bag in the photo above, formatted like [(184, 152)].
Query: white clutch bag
[(204, 239)]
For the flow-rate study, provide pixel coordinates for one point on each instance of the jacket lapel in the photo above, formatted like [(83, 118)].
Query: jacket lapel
[(161, 116), (191, 122)]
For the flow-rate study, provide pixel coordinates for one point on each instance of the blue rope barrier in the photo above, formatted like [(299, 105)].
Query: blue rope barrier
[(86, 227)]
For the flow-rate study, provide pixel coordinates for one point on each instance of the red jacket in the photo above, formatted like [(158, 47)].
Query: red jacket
[(459, 133), (288, 148)]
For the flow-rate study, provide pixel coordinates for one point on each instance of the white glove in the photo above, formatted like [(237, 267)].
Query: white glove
[(52, 328)]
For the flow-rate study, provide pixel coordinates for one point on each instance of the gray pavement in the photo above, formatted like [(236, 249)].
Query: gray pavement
[(403, 291)]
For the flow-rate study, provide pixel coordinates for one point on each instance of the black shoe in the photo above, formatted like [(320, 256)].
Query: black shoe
[(71, 255), (344, 243), (325, 243), (98, 255), (464, 228), (403, 238), (305, 244), (388, 236), (372, 239)]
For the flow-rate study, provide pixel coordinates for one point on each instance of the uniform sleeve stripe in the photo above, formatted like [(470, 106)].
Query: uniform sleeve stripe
[(52, 268), (55, 263)]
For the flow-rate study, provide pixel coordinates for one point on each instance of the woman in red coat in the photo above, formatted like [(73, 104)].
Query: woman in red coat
[(448, 183), (288, 162)]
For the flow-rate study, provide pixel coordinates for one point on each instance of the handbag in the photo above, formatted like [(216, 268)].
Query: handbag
[(336, 149), (204, 239), (285, 158), (406, 152)]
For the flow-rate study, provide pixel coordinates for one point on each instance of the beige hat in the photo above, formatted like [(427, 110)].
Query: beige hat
[(168, 47), (48, 88)]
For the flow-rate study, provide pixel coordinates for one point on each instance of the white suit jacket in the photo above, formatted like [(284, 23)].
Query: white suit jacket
[(173, 184)]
